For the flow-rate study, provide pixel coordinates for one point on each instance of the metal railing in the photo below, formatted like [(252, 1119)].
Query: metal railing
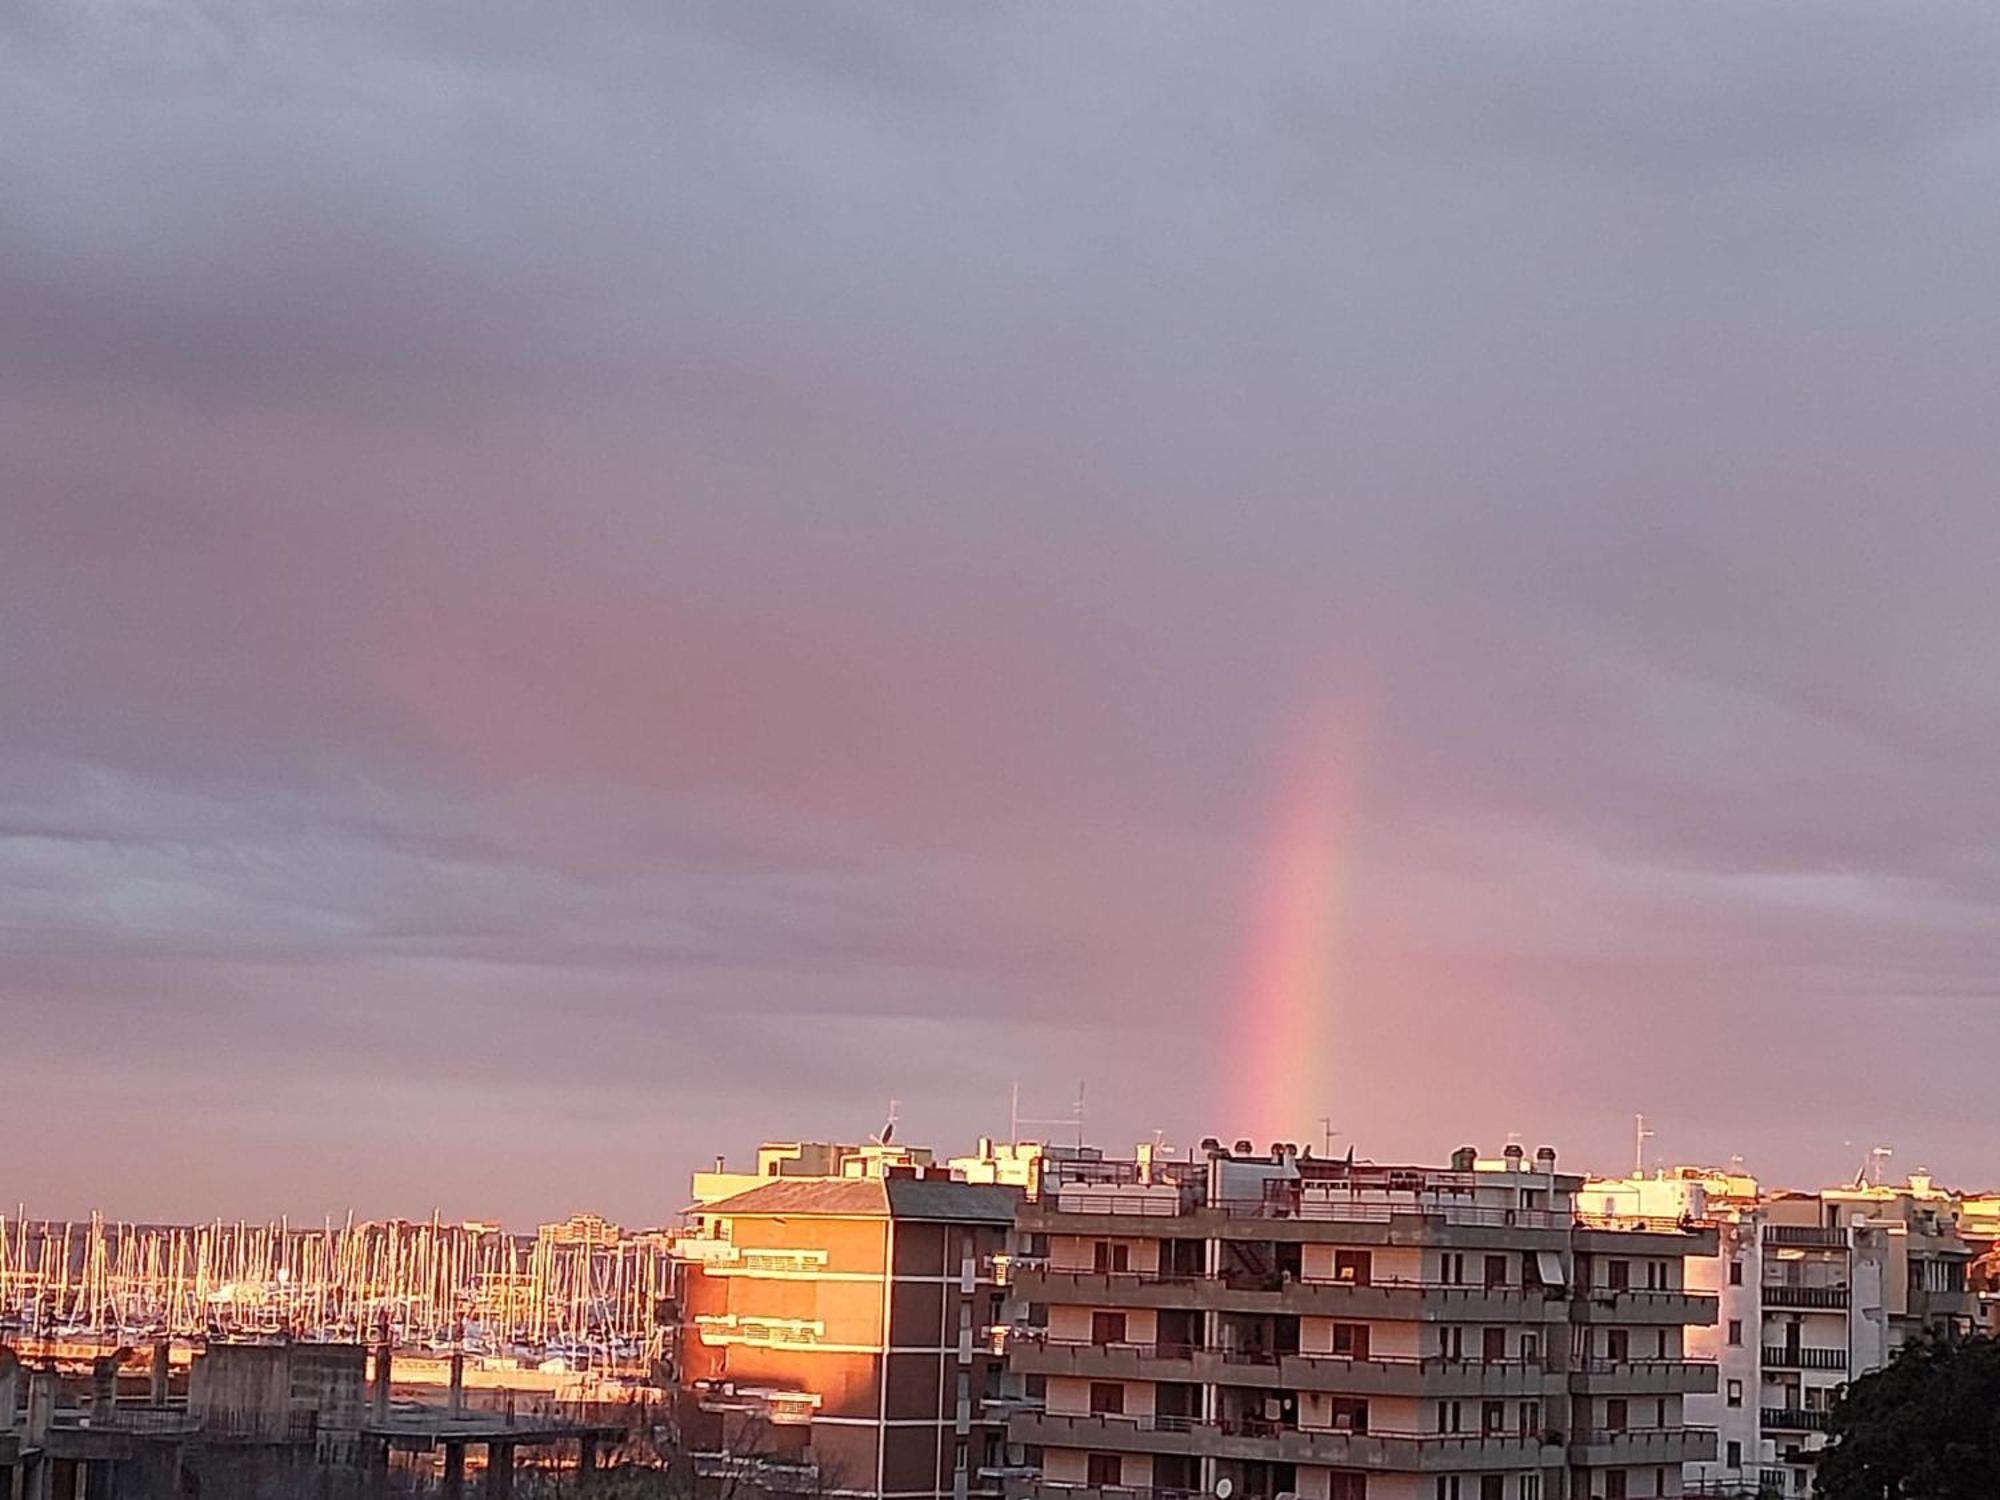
[(1805, 1359), (1808, 1236), (1792, 1419), (1780, 1295)]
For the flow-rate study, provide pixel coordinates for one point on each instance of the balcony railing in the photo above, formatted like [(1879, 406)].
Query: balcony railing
[(1084, 1348), (1780, 1295), (1361, 1211), (1279, 1281), (1806, 1236), (1791, 1419), (1805, 1359)]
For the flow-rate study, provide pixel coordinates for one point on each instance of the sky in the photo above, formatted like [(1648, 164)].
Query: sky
[(577, 594)]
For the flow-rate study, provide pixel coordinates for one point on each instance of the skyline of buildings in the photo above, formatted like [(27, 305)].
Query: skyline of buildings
[(1034, 1320)]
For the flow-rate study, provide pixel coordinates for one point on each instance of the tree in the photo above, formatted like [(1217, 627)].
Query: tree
[(1927, 1427)]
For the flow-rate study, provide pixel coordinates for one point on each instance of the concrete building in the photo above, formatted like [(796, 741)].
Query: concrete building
[(837, 1336), (1255, 1327), (1813, 1289)]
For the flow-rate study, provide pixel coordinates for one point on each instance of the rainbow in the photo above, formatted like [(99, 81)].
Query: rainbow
[(1293, 966)]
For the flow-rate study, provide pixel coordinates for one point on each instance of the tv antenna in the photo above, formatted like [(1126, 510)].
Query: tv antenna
[(1074, 1119), (1640, 1136), (888, 1130)]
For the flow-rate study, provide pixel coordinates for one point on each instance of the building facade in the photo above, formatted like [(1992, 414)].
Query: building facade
[(1256, 1327), (837, 1337), (1813, 1290)]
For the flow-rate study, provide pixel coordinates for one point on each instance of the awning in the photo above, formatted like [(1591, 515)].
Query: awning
[(1551, 1265)]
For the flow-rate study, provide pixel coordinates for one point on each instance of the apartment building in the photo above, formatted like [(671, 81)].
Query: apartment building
[(1255, 1327), (1813, 1290), (836, 1337)]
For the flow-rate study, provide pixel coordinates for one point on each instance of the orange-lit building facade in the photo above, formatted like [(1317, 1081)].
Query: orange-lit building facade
[(838, 1337), (1261, 1327)]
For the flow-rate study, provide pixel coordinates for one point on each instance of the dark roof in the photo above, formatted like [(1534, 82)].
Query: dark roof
[(934, 1199), (939, 1198), (834, 1197)]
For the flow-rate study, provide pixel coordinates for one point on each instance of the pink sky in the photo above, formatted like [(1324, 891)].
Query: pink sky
[(568, 603)]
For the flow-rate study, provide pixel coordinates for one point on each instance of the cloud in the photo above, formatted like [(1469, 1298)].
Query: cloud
[(599, 594)]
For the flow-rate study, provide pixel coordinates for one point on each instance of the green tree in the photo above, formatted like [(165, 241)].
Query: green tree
[(1925, 1428)]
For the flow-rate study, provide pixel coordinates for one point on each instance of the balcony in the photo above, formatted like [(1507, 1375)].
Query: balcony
[(1791, 1419), (1643, 1445), (1806, 1236), (1805, 1359), (1642, 1305), (1780, 1295), (1279, 1444), (1404, 1301), (1289, 1371), (1644, 1377)]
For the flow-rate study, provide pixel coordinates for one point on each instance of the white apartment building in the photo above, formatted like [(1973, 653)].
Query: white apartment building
[(1813, 1290)]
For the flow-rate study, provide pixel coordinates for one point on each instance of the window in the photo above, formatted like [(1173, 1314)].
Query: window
[(1496, 1272), (1621, 1275), (1531, 1418), (1492, 1487), (1342, 1486), (1659, 1343), (1617, 1345), (1614, 1414), (1736, 1333), (958, 1456), (1531, 1348), (1451, 1341), (1350, 1340), (1107, 1398), (1107, 1328), (1529, 1487), (1350, 1413), (1447, 1487), (1493, 1345), (1614, 1484), (1104, 1470), (1452, 1269), (1106, 1256), (1732, 1454), (1353, 1266), (1493, 1417), (1736, 1273), (1449, 1416)]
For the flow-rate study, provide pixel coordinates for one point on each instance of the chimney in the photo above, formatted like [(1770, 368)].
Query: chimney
[(1545, 1159), (1463, 1159), (1514, 1154), (1244, 1149)]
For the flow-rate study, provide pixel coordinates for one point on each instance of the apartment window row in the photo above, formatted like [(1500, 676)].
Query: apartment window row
[(1487, 1487), (1452, 1417)]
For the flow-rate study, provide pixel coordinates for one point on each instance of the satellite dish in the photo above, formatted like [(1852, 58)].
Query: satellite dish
[(1224, 1488)]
